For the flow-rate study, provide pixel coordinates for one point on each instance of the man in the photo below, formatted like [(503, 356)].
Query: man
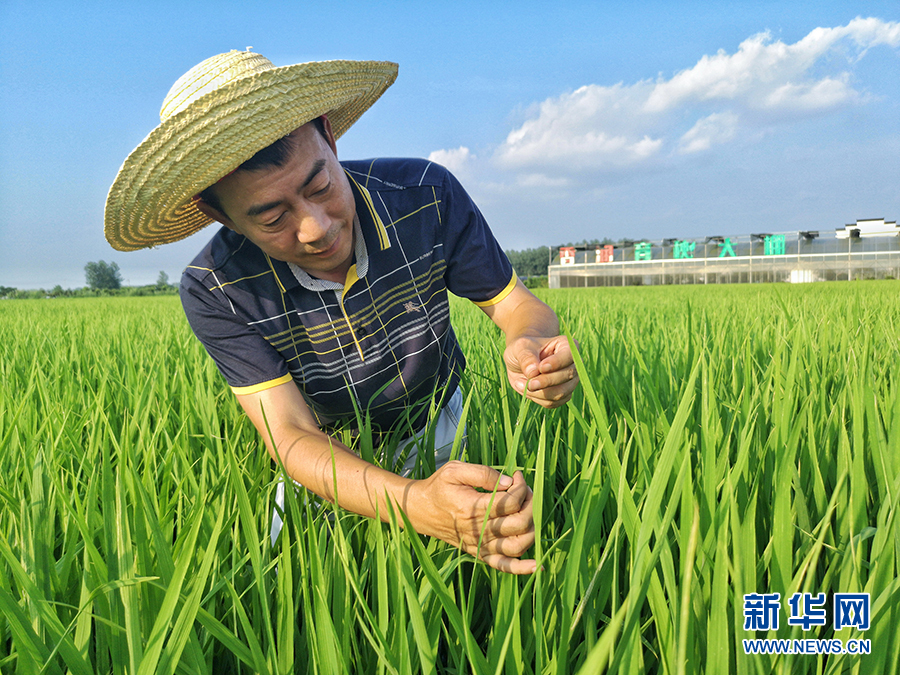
[(326, 290)]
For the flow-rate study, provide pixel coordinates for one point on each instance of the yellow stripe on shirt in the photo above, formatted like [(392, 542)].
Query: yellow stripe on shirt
[(501, 295), (383, 240), (262, 386)]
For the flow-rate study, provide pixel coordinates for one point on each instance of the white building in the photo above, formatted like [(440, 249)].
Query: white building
[(868, 228), (867, 249)]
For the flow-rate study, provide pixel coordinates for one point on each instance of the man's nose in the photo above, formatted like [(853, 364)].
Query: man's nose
[(313, 227)]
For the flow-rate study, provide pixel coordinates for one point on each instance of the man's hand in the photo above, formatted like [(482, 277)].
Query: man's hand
[(447, 505), (535, 351), (545, 365)]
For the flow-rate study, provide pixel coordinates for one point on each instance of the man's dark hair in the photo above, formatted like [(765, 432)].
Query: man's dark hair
[(275, 155)]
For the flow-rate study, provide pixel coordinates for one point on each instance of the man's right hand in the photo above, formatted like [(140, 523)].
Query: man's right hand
[(448, 505)]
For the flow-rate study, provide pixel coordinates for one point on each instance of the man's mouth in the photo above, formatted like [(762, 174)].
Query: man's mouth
[(329, 248)]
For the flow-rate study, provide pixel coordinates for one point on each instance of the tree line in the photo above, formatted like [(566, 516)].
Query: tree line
[(105, 278), (102, 279)]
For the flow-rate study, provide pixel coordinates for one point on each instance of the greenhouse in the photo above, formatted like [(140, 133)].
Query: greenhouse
[(866, 249)]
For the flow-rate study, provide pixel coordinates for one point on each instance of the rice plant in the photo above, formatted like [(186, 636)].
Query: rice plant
[(725, 441)]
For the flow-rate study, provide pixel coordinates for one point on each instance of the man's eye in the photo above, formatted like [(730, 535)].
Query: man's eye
[(322, 191), (275, 222)]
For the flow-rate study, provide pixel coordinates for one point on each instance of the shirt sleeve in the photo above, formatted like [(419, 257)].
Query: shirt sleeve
[(477, 268), (244, 358)]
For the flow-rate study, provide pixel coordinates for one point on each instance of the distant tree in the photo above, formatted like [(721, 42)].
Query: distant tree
[(536, 282), (162, 281), (21, 294), (103, 276), (6, 290), (530, 262)]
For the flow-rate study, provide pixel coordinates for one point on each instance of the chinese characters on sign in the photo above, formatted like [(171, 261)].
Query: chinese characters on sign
[(727, 249), (773, 244), (807, 610), (604, 255), (683, 249), (762, 611), (851, 610)]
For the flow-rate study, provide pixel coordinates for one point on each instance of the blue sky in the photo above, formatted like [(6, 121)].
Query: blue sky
[(587, 120)]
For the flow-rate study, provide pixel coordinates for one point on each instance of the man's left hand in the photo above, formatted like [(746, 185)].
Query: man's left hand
[(542, 369)]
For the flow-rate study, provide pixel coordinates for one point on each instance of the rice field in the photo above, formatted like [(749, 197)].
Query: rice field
[(726, 441)]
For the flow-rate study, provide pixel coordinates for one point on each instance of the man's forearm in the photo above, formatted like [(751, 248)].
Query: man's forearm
[(538, 359), (456, 504), (331, 470), (521, 314), (532, 318)]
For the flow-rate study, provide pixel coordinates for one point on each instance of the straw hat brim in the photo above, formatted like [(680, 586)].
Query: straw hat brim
[(151, 200)]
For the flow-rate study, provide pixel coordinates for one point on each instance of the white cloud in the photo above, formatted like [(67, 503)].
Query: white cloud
[(765, 82), (712, 130), (582, 129), (825, 93), (865, 33), (768, 74), (540, 180), (457, 160)]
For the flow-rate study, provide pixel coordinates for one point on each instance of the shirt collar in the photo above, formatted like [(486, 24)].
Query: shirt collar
[(360, 255)]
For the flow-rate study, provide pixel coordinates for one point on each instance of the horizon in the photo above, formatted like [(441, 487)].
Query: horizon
[(588, 122)]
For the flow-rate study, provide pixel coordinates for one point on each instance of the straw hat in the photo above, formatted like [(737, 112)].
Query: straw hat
[(217, 116)]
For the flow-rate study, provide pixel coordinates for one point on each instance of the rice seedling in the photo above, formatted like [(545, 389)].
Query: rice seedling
[(726, 441)]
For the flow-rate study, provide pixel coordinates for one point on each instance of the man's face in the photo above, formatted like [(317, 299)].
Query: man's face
[(302, 212)]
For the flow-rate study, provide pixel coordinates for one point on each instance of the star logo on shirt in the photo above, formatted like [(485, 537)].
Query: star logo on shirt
[(411, 307)]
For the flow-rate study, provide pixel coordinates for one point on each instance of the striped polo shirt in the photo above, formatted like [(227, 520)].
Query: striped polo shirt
[(381, 342)]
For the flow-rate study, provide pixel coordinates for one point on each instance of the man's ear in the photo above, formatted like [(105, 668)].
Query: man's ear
[(211, 211), (329, 134)]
